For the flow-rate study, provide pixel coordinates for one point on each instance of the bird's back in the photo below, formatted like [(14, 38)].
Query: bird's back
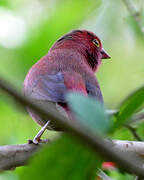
[(63, 66)]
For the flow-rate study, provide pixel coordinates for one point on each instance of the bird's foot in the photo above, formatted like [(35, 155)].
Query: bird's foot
[(37, 139), (41, 141)]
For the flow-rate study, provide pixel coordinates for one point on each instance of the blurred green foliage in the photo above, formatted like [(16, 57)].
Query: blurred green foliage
[(4, 3), (44, 21), (129, 106), (64, 158)]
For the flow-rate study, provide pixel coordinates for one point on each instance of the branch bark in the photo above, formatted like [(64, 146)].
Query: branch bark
[(12, 156), (129, 146)]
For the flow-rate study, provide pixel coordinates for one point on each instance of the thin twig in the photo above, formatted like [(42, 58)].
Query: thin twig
[(133, 131), (128, 162), (103, 176), (137, 118)]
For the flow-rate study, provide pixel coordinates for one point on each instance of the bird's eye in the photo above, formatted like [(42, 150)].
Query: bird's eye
[(96, 42)]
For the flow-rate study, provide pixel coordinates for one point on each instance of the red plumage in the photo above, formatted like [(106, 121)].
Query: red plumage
[(69, 66)]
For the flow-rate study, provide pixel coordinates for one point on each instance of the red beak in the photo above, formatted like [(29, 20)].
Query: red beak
[(105, 54)]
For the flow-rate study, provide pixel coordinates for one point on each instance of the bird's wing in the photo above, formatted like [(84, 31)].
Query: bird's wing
[(94, 90), (55, 86), (48, 88)]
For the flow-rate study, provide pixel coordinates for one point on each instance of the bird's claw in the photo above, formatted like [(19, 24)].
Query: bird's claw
[(36, 142)]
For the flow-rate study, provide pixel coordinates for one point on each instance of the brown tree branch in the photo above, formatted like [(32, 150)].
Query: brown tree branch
[(12, 156), (135, 147), (126, 161)]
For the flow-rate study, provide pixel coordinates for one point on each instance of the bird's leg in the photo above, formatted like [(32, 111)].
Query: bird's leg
[(37, 139)]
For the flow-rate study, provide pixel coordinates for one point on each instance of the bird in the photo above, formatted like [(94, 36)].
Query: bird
[(69, 66)]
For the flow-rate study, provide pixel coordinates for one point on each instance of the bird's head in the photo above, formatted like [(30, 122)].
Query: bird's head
[(87, 43)]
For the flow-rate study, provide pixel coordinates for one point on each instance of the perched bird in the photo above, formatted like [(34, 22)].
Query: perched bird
[(70, 65)]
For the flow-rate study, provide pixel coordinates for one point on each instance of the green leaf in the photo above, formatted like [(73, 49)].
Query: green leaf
[(90, 113), (129, 106), (63, 159)]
